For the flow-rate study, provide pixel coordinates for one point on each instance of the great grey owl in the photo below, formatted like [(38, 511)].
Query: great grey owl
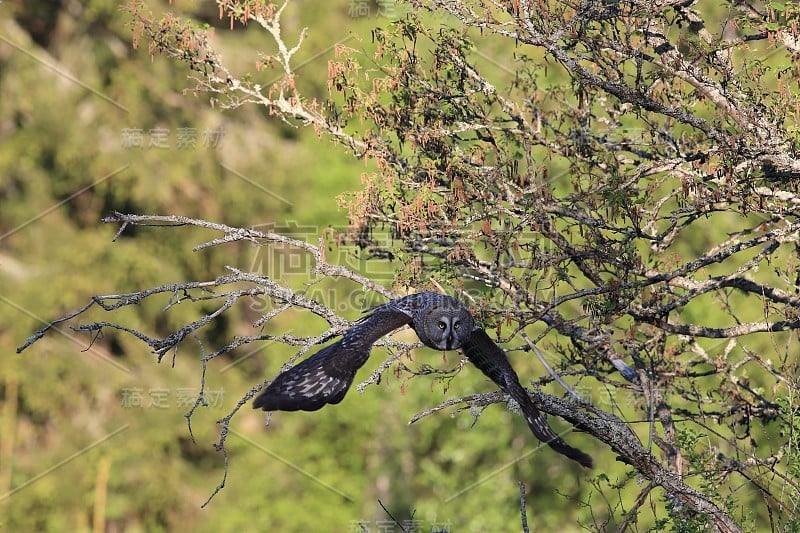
[(440, 322)]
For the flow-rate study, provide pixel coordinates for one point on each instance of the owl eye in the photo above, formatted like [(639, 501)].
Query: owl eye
[(456, 325), (441, 325)]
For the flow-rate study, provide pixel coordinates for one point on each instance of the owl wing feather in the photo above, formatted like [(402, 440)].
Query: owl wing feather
[(326, 376), (492, 361)]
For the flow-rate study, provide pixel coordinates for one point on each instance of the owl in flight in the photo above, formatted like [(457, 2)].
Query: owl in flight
[(440, 322)]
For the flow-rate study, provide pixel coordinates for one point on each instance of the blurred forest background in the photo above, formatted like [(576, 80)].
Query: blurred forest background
[(93, 435)]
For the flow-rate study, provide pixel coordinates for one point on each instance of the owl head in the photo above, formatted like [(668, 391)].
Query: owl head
[(444, 323)]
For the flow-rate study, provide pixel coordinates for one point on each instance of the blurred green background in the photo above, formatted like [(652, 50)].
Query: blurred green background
[(94, 438)]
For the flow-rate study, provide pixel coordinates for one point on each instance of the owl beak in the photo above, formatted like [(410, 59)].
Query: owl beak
[(450, 342)]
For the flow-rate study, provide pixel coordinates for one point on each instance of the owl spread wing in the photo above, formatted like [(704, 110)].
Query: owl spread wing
[(326, 376), (492, 361)]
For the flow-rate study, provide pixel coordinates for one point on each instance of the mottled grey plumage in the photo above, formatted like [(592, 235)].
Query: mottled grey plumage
[(440, 322)]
